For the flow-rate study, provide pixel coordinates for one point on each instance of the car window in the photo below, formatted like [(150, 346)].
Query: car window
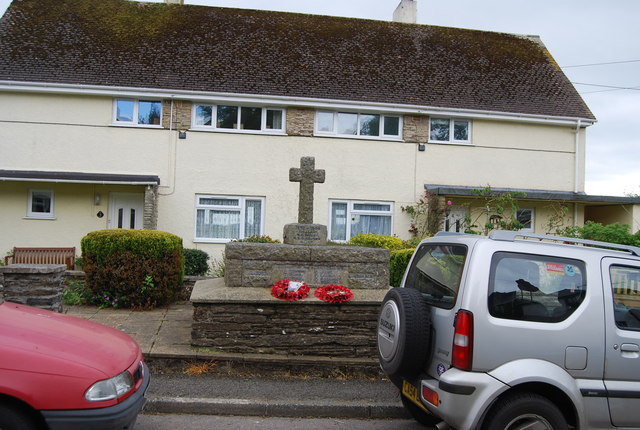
[(535, 288), (436, 271), (625, 282)]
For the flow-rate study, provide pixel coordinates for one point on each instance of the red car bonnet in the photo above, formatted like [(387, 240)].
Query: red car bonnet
[(37, 340)]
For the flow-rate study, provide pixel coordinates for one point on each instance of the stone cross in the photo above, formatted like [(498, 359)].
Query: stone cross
[(307, 175)]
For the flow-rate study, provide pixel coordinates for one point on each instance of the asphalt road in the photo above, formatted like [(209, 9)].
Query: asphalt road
[(213, 422)]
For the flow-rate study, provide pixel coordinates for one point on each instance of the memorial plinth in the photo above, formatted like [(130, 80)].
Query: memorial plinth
[(262, 264), (238, 314)]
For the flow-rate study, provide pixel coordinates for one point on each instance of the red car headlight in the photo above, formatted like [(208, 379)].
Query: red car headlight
[(111, 388)]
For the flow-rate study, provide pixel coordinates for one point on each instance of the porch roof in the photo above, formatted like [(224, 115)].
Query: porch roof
[(78, 177), (566, 196)]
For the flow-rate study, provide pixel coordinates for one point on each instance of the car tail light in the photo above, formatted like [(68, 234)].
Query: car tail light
[(462, 357)]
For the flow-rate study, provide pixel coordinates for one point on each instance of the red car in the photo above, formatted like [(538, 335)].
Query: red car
[(63, 372)]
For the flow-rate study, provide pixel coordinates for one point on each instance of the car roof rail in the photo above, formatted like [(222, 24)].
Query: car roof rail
[(510, 236), (449, 233)]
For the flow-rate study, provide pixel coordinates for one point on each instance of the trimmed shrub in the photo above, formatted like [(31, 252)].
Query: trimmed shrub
[(258, 239), (196, 262), (132, 268), (371, 240), (398, 262)]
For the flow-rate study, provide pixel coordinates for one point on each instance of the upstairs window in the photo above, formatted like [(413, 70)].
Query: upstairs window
[(449, 130), (40, 204), (137, 112), (349, 218), (349, 124), (224, 218), (241, 118)]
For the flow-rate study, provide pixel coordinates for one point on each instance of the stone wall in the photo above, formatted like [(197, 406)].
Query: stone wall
[(347, 330), (181, 114), (261, 264), (300, 121), (415, 129), (38, 285)]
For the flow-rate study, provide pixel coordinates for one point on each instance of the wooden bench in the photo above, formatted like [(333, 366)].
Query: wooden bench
[(65, 256)]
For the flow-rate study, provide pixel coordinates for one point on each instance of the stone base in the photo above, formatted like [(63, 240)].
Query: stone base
[(262, 264), (250, 321)]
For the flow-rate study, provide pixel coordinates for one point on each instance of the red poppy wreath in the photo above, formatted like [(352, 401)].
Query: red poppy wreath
[(334, 293), (289, 290)]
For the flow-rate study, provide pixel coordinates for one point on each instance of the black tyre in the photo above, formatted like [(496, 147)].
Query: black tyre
[(404, 327), (525, 410), (418, 414), (14, 418)]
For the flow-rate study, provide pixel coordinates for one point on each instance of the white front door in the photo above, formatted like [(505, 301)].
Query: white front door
[(125, 210)]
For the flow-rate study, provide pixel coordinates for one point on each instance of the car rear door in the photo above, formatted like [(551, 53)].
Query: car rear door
[(621, 280)]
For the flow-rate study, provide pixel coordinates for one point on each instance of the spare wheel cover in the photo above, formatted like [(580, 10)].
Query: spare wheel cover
[(404, 329)]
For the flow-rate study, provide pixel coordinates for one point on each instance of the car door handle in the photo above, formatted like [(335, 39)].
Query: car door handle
[(630, 350)]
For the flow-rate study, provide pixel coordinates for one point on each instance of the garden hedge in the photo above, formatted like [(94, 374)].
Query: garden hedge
[(133, 268)]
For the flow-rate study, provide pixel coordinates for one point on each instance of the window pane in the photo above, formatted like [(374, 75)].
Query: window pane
[(325, 121), (41, 202), (216, 224), (376, 224), (253, 218), (392, 125), (370, 125), (250, 118), (461, 130), (227, 117), (371, 207), (625, 282), (211, 201), (535, 288), (524, 217), (347, 123), (203, 115), (436, 271), (339, 221), (148, 112), (274, 119), (439, 130), (124, 110)]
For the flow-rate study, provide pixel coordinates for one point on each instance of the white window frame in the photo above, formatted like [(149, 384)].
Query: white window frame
[(136, 110), (214, 116), (452, 121), (334, 132), (533, 220), (241, 207), (351, 212), (40, 215)]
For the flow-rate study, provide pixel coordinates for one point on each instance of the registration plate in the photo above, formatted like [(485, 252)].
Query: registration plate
[(412, 393)]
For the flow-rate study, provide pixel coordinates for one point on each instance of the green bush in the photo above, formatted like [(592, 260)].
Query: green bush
[(613, 233), (398, 262), (371, 240), (258, 239), (132, 268), (196, 262)]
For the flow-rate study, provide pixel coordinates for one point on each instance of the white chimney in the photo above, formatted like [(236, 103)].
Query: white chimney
[(407, 11)]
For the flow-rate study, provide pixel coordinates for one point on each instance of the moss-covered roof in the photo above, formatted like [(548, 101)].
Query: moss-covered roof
[(196, 48)]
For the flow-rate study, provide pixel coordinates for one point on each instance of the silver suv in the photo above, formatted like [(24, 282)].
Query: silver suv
[(516, 331)]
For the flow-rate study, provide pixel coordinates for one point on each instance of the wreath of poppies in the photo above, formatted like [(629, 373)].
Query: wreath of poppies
[(280, 290), (333, 293)]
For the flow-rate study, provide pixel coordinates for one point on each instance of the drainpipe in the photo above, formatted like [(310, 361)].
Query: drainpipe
[(577, 171)]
